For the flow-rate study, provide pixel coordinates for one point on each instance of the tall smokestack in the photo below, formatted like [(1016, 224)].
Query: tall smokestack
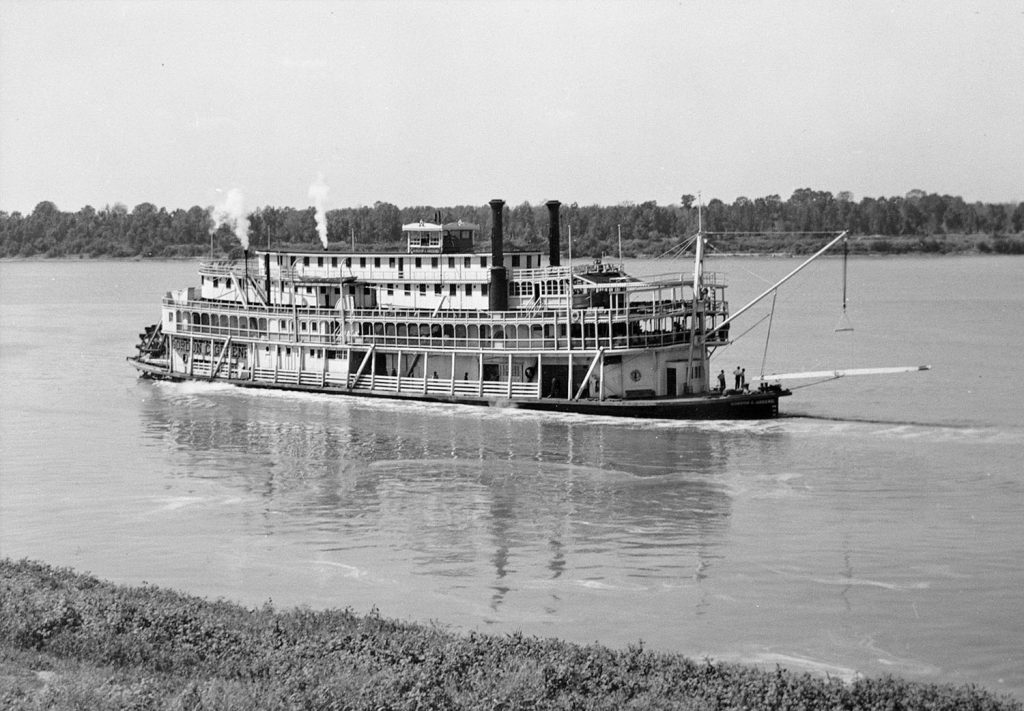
[(554, 236), (498, 297)]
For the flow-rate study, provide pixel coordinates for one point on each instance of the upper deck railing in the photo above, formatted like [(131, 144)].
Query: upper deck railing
[(645, 325), (457, 274)]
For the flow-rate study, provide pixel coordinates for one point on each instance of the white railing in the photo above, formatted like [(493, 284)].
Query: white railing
[(412, 385)]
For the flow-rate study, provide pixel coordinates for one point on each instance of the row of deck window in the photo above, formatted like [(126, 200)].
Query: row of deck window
[(414, 333), (517, 260), (515, 288)]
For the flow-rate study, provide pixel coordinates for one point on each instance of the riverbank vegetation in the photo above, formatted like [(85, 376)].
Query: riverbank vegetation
[(918, 222), (72, 641)]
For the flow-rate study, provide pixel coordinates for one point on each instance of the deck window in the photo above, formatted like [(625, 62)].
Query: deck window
[(467, 262), (451, 262), (483, 262), (483, 290), (515, 260), (452, 289), (376, 262)]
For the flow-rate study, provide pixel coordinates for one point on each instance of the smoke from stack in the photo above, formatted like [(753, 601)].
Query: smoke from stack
[(232, 214), (318, 194)]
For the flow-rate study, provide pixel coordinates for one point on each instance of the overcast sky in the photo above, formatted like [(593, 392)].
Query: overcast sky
[(450, 103)]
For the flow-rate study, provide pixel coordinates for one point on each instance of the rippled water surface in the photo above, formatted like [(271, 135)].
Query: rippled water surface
[(876, 528)]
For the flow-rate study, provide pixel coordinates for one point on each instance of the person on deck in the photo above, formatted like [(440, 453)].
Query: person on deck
[(721, 381), (737, 375)]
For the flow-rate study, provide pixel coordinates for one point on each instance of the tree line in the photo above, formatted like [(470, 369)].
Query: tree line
[(916, 222)]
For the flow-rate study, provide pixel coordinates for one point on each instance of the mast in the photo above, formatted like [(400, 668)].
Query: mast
[(698, 298), (698, 255)]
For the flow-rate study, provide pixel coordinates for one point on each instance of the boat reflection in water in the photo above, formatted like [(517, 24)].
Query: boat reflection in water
[(452, 500)]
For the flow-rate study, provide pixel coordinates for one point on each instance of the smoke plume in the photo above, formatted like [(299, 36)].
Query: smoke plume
[(318, 194), (232, 214)]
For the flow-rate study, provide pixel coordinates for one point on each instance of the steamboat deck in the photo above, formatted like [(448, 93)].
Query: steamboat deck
[(443, 322)]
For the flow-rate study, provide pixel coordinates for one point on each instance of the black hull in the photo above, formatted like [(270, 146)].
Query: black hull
[(757, 405)]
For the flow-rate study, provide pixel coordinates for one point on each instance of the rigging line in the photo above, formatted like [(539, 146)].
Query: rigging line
[(776, 234), (749, 273), (677, 249), (846, 255), (816, 382), (756, 324), (764, 357)]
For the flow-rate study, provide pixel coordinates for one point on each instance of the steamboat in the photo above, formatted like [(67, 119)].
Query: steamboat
[(444, 321)]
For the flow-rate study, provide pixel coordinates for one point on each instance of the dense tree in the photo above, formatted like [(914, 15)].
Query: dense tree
[(918, 221)]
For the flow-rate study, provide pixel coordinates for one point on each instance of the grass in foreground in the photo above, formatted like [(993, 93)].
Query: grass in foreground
[(72, 641)]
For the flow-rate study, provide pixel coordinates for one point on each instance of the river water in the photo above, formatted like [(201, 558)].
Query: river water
[(876, 528)]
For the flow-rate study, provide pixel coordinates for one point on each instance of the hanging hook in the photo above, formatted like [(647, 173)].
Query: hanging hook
[(844, 321)]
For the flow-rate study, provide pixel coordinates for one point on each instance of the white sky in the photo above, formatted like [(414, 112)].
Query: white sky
[(459, 102)]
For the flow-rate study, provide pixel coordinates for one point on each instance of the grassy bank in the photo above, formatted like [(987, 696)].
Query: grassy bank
[(72, 641)]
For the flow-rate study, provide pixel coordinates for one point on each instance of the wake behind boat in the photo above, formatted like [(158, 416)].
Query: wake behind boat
[(444, 322)]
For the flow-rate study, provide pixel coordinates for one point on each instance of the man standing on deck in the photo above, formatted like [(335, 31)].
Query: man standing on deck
[(737, 374), (721, 381)]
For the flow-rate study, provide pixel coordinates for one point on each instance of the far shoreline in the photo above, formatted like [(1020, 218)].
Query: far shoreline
[(576, 259)]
